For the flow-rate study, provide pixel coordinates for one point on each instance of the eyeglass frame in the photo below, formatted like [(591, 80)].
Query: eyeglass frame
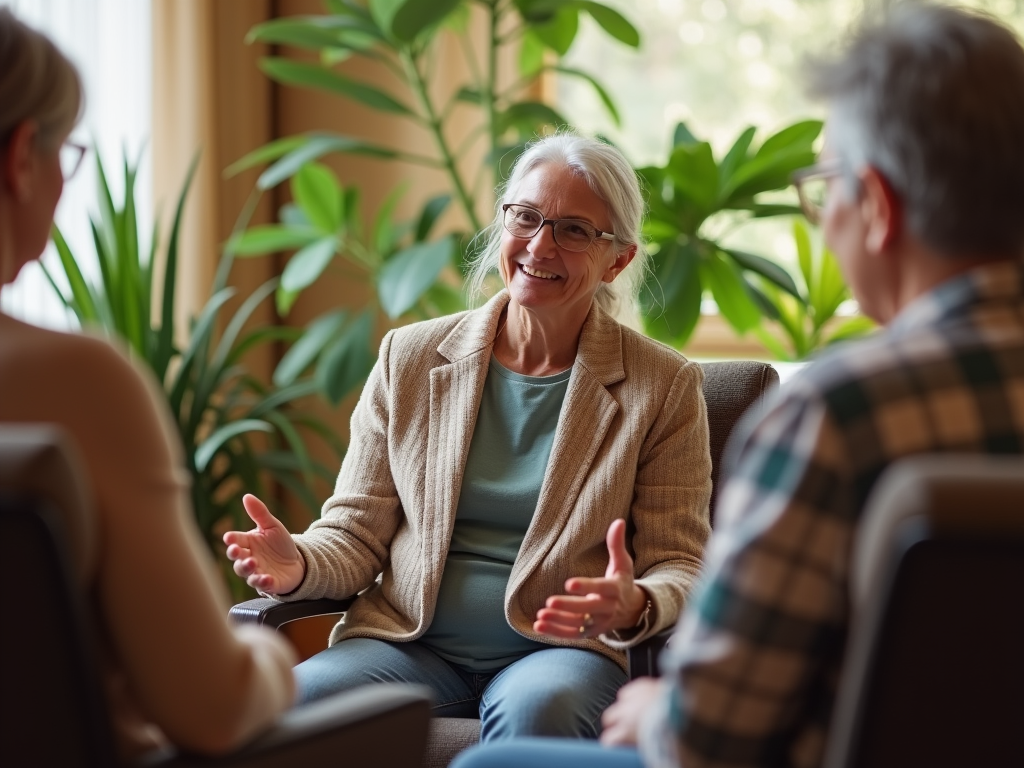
[(82, 149), (826, 169), (598, 234)]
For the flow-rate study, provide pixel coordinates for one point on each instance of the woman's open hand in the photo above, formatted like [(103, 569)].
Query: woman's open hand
[(266, 557), (594, 606)]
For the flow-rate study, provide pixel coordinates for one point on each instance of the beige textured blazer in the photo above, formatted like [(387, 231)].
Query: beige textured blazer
[(631, 442)]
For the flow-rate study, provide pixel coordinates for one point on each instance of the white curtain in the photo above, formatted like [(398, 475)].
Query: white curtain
[(111, 44)]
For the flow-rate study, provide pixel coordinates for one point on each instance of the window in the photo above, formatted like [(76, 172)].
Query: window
[(110, 42), (719, 66)]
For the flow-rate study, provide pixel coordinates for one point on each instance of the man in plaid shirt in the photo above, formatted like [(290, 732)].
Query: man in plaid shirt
[(923, 175)]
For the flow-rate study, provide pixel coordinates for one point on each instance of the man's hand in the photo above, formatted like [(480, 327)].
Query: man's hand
[(621, 721)]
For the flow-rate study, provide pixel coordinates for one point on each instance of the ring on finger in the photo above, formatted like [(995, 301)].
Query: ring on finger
[(583, 629), (588, 620)]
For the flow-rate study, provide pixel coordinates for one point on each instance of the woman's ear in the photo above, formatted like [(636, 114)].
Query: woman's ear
[(622, 261), (19, 161)]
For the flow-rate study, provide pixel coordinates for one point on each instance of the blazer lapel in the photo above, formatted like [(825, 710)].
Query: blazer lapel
[(586, 416), (456, 389)]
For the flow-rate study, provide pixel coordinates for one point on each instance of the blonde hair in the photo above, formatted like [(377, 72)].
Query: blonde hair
[(37, 82), (611, 177)]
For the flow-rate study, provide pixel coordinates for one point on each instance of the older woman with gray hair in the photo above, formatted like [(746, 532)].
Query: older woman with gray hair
[(530, 479), (175, 670)]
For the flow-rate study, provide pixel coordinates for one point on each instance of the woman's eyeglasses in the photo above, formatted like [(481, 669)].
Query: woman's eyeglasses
[(811, 185), (571, 234), (71, 155)]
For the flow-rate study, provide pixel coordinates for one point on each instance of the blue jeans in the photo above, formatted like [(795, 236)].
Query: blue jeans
[(551, 692), (534, 753)]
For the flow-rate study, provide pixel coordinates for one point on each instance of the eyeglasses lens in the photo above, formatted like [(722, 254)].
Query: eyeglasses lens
[(812, 197), (70, 159), (570, 234)]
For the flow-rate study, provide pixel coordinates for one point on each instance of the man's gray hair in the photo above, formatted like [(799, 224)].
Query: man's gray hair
[(611, 177), (37, 82), (933, 98)]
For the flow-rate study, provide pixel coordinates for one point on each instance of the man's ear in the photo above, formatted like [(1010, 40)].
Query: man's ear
[(622, 261), (19, 161), (881, 210)]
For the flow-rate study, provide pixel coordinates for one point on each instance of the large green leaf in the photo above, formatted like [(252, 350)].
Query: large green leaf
[(736, 156), (295, 31), (528, 117), (209, 447), (317, 145), (270, 238), (314, 76), (531, 54), (694, 173), (414, 16), (765, 173), (801, 135), (317, 192), (726, 285), (804, 254), (345, 364), (386, 231), (682, 136), (81, 294), (767, 269), (560, 30), (431, 212), (318, 32), (265, 154), (383, 12), (409, 273), (602, 94), (303, 352), (165, 339), (613, 22), (308, 264), (671, 296)]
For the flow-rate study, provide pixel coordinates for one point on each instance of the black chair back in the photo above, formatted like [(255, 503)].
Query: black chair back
[(935, 667), (53, 708), (731, 388)]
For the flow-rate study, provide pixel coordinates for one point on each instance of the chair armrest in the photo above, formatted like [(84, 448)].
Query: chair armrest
[(273, 613), (642, 658), (357, 727)]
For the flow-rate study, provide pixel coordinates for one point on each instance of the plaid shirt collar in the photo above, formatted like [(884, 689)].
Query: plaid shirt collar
[(997, 281)]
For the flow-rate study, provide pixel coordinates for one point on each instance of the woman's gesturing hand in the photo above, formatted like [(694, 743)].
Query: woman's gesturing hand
[(266, 557), (594, 606)]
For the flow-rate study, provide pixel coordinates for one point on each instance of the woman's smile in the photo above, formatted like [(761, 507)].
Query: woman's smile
[(534, 272)]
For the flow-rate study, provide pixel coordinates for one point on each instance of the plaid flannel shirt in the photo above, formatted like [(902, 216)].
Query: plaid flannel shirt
[(754, 665)]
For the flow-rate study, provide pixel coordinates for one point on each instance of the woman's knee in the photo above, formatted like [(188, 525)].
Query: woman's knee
[(540, 698)]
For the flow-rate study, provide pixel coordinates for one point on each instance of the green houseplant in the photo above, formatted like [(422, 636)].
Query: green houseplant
[(236, 430), (796, 327), (406, 37), (690, 191)]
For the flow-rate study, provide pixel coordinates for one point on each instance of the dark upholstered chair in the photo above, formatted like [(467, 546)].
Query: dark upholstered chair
[(934, 673), (54, 708), (730, 389)]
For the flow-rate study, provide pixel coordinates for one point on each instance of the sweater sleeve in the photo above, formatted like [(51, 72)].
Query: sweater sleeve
[(670, 506), (208, 686)]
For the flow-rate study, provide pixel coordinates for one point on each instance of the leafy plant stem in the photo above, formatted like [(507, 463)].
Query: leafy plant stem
[(420, 88), (471, 61), (492, 80)]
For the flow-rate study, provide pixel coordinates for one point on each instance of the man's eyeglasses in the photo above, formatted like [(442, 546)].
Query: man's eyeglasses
[(811, 185), (71, 155), (571, 234)]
